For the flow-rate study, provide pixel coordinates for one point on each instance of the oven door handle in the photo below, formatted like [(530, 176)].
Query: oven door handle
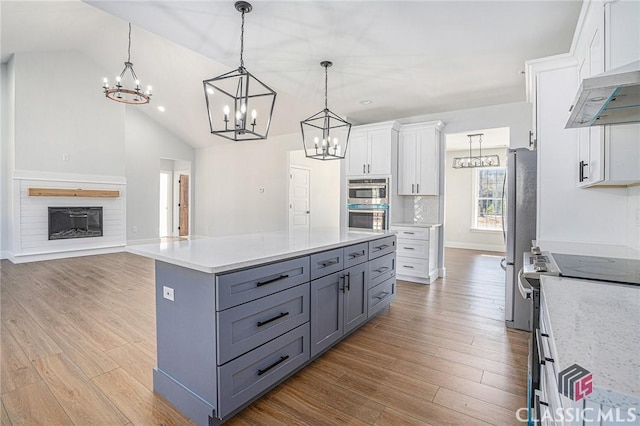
[(524, 291), (503, 263)]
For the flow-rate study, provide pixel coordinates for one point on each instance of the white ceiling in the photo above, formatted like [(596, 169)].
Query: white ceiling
[(409, 58)]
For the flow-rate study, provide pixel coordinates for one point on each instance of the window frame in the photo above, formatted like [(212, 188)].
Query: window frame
[(476, 198)]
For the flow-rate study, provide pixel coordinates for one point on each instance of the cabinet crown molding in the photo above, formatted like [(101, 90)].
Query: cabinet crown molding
[(438, 124)]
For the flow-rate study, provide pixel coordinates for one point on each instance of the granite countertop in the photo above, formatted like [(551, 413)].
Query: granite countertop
[(417, 224), (597, 326), (223, 254)]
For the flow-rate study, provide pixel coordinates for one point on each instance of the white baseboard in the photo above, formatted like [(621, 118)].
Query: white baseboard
[(5, 254), (25, 258), (442, 272), (472, 246)]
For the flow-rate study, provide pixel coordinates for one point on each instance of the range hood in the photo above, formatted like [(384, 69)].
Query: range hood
[(612, 97)]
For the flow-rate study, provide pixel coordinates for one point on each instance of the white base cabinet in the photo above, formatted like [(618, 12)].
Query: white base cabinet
[(417, 253)]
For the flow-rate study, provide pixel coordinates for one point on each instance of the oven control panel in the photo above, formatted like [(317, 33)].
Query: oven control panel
[(536, 263)]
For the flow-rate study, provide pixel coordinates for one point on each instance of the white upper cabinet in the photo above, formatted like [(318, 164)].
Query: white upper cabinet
[(608, 38), (369, 150), (419, 158)]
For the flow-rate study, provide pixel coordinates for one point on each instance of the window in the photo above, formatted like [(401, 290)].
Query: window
[(490, 184)]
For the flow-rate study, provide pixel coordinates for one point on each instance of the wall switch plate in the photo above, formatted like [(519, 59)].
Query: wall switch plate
[(167, 293)]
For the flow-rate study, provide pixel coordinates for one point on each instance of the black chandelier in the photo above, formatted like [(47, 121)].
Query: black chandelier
[(325, 135), (479, 160), (120, 93), (238, 104)]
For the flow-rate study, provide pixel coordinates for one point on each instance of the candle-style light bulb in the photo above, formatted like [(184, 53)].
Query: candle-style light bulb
[(118, 79), (243, 108), (254, 114), (226, 112), (238, 115), (106, 82), (335, 142), (148, 90), (324, 143), (315, 141), (138, 84)]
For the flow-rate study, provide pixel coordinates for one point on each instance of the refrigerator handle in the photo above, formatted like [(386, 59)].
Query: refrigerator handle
[(504, 232)]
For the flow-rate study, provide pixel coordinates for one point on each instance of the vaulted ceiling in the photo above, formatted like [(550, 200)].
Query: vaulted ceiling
[(407, 58)]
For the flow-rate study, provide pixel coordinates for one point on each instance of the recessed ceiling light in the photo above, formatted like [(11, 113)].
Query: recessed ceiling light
[(160, 108), (366, 102)]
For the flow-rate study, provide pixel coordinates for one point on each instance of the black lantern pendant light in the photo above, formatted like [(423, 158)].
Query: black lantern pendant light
[(325, 135), (120, 93), (238, 104)]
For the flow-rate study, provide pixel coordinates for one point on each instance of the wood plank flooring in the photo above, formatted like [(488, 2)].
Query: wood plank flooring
[(78, 348)]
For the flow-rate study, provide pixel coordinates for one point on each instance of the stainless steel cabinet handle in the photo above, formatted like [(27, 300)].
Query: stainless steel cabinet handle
[(368, 168), (408, 248), (417, 188), (412, 187), (277, 317), (264, 370), (382, 247), (354, 255), (281, 277), (408, 233), (364, 169), (328, 263), (382, 295), (381, 270), (407, 266)]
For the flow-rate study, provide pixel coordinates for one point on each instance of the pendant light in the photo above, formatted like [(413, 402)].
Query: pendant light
[(325, 135), (120, 93), (239, 105), (476, 161)]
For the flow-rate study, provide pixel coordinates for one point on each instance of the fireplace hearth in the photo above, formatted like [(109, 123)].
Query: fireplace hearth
[(74, 222)]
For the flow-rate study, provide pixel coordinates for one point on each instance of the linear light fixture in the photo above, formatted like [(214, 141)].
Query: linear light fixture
[(476, 160)]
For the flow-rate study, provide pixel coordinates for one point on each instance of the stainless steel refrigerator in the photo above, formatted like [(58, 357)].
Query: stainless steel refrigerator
[(521, 182)]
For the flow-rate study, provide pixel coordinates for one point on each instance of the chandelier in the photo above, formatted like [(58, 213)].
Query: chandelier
[(325, 135), (476, 161), (120, 93), (239, 105)]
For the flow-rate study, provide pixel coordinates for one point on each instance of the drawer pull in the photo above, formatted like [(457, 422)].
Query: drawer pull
[(281, 277), (408, 248), (408, 233), (329, 263), (265, 322), (407, 266), (382, 295), (381, 270), (382, 247), (354, 255), (281, 360)]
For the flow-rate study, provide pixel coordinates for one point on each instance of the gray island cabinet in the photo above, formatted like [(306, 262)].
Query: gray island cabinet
[(232, 328)]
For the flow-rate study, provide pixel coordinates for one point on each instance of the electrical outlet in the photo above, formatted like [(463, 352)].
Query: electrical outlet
[(65, 156), (167, 293), (135, 229)]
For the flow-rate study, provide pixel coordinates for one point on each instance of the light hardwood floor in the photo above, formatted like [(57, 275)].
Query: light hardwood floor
[(78, 347)]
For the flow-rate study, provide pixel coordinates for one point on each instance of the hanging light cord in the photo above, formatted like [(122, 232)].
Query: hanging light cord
[(242, 41), (129, 50), (326, 83)]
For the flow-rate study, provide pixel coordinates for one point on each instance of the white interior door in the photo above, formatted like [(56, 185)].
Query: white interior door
[(299, 187)]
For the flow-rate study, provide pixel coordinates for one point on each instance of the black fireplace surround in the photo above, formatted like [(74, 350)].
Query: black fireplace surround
[(74, 222)]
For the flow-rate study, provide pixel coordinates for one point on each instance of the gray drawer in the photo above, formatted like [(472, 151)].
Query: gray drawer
[(380, 296), (243, 286), (381, 269), (356, 254), (246, 377), (247, 326), (326, 263), (382, 246)]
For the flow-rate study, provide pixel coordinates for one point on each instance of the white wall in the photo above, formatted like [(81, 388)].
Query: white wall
[(633, 217), (459, 208), (59, 109), (324, 188), (230, 176), (147, 143), (7, 98)]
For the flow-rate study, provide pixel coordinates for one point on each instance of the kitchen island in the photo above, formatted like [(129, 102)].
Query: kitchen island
[(595, 325), (237, 315)]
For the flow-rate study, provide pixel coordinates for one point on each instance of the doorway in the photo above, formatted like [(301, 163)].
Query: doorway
[(299, 198), (175, 198)]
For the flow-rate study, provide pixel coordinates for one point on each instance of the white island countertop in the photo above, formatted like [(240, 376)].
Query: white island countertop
[(416, 224), (597, 326), (222, 254)]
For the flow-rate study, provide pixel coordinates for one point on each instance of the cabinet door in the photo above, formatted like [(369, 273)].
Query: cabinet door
[(327, 295), (407, 162), (379, 152), (357, 157), (355, 296), (427, 175)]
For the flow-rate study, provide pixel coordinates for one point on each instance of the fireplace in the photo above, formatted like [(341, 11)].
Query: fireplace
[(74, 222)]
